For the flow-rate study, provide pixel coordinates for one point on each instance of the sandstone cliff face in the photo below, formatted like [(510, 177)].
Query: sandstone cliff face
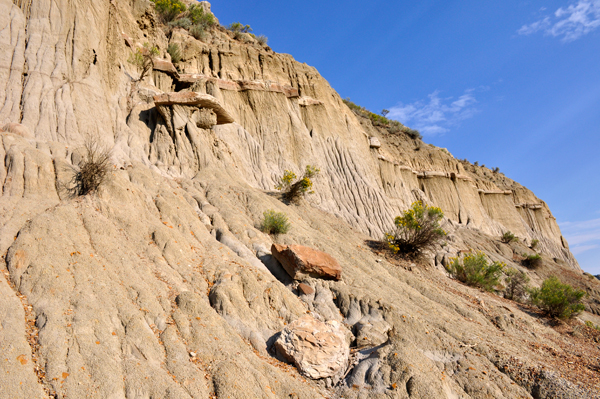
[(161, 284)]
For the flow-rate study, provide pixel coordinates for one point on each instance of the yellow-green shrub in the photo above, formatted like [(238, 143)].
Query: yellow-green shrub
[(474, 270), (417, 230), (292, 187)]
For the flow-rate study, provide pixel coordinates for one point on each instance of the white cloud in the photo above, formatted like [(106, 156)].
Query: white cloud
[(582, 236), (571, 22), (436, 115)]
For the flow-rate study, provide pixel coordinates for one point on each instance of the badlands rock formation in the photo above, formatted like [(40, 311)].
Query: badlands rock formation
[(160, 284)]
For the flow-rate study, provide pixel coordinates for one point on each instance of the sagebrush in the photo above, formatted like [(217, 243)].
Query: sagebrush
[(275, 222), (175, 52), (417, 230), (517, 284), (474, 270), (557, 299)]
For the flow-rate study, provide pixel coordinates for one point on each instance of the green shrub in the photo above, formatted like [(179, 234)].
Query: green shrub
[(175, 52), (142, 58), (199, 17), (508, 236), (168, 10), (557, 299), (516, 284), (274, 223), (532, 261), (417, 230), (476, 271), (238, 27), (534, 243)]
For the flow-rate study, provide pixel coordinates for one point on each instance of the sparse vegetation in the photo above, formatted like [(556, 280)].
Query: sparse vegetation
[(184, 23), (392, 126), (508, 237), (592, 325), (534, 243), (142, 59), (168, 10), (199, 17), (274, 223), (417, 230), (557, 299), (93, 169), (474, 270), (292, 187), (516, 284), (239, 29), (262, 39), (175, 52), (532, 261), (496, 170)]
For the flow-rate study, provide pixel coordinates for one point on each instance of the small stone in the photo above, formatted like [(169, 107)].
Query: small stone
[(305, 289), (192, 354)]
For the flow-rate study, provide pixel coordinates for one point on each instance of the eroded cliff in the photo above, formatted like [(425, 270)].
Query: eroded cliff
[(162, 285)]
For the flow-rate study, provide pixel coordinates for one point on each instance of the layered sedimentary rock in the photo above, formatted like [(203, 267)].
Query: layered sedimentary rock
[(161, 284)]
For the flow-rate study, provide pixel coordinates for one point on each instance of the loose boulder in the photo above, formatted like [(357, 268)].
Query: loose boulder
[(317, 349), (300, 261), (374, 142)]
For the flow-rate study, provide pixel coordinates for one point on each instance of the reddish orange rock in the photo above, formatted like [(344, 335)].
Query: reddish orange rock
[(300, 261)]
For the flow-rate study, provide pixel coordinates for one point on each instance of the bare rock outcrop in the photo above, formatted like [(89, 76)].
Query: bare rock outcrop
[(318, 349), (300, 261)]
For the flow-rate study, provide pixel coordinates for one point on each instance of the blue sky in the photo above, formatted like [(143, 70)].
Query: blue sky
[(511, 84)]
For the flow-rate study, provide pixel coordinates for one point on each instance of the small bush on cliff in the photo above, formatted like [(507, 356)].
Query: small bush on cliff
[(508, 237), (516, 284), (274, 223), (262, 39), (93, 169), (532, 261), (292, 187), (175, 52), (474, 270), (142, 59), (534, 243), (168, 10), (200, 17), (417, 230), (557, 299)]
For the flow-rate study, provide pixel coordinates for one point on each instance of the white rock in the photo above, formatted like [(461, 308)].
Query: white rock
[(318, 349)]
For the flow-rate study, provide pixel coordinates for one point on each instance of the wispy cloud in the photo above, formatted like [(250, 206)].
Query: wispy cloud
[(436, 115), (571, 22), (582, 236)]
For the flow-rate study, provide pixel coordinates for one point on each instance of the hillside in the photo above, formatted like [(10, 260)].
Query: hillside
[(161, 284)]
